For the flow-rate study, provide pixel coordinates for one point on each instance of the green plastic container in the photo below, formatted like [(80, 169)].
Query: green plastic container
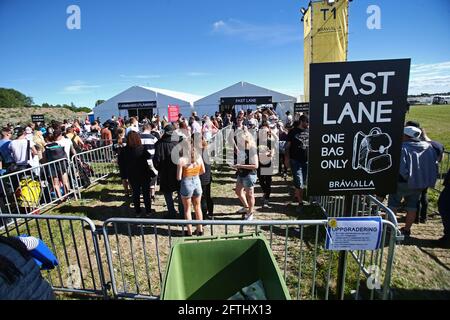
[(211, 268)]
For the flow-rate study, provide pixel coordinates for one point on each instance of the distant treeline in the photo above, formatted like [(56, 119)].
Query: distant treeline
[(429, 94), (10, 98)]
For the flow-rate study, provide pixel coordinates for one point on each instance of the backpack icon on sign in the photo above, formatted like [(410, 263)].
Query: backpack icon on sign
[(371, 152)]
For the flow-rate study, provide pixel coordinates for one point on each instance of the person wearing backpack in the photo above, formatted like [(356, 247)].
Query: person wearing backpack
[(53, 152), (418, 171), (296, 157), (22, 150)]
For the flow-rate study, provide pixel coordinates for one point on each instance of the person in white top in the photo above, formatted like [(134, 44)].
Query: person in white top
[(195, 125), (64, 142), (22, 149), (134, 126)]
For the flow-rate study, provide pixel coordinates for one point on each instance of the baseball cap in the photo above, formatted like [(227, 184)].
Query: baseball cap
[(412, 132), (413, 124)]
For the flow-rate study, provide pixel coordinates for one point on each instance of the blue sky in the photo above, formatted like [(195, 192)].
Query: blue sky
[(200, 46)]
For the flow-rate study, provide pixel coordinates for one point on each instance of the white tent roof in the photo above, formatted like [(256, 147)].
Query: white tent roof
[(139, 93), (243, 89), (191, 98)]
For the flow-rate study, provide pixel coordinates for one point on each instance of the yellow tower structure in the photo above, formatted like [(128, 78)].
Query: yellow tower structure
[(325, 34)]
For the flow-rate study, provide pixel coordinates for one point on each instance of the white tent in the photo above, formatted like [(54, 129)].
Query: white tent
[(156, 99), (210, 104)]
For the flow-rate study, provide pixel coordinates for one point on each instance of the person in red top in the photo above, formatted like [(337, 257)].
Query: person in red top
[(76, 127), (121, 122), (106, 135)]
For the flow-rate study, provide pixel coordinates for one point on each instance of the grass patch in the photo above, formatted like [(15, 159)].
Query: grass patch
[(435, 120)]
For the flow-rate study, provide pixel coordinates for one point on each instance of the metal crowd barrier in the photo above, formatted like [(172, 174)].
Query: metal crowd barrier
[(444, 167), (34, 190), (130, 256), (138, 249), (361, 205), (31, 190), (74, 242), (96, 164)]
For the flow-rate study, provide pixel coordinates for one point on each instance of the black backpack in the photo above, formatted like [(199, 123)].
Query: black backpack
[(54, 152)]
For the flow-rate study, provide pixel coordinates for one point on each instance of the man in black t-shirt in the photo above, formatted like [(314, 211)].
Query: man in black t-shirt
[(296, 157)]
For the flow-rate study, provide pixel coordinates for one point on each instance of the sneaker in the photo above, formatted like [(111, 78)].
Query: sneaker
[(249, 216), (406, 233), (266, 204), (242, 211)]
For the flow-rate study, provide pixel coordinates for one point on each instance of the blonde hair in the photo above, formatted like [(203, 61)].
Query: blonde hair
[(246, 138), (38, 139)]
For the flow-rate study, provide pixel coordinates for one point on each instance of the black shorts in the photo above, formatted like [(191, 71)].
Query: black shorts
[(57, 169)]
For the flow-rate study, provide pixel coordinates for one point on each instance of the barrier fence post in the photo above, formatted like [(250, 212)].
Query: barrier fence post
[(342, 262), (95, 238)]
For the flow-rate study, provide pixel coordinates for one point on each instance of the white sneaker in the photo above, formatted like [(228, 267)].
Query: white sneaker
[(249, 216), (242, 211)]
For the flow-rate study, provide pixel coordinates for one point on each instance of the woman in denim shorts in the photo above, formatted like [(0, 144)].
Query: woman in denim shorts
[(190, 167), (246, 166)]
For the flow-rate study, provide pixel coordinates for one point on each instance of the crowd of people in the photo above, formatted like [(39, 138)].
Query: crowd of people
[(176, 157), (146, 149)]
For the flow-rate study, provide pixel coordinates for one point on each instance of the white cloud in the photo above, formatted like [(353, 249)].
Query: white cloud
[(197, 74), (268, 34), (78, 87), (430, 78), (141, 76), (218, 25)]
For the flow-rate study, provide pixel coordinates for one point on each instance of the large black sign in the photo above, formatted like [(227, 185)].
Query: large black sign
[(37, 118), (356, 126), (301, 107), (137, 105), (245, 100)]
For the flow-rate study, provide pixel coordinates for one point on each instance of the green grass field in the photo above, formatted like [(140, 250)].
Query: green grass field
[(435, 119)]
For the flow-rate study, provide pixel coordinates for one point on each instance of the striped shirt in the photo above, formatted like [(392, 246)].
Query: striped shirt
[(148, 141)]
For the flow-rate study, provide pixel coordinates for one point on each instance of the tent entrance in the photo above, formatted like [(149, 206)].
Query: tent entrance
[(235, 104), (140, 109), (140, 113)]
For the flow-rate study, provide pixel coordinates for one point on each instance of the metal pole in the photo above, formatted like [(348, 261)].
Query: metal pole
[(342, 261)]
